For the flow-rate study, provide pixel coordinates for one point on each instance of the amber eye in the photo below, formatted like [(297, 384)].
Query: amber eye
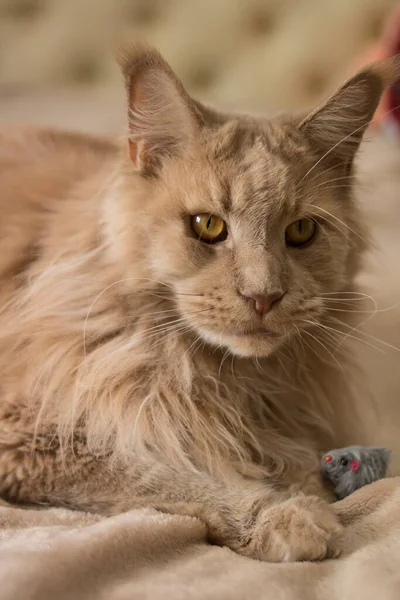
[(300, 233), (209, 228)]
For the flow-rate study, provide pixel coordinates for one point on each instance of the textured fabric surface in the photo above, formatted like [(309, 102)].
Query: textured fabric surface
[(147, 555)]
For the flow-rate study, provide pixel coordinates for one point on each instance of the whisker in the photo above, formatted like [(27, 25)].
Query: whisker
[(331, 168), (339, 221), (349, 301), (92, 305), (299, 337), (325, 348), (333, 224), (283, 366), (124, 280), (341, 142), (222, 362), (353, 337), (332, 149), (362, 311), (325, 183), (348, 293), (360, 296), (339, 186), (152, 332), (189, 348), (160, 326), (232, 369), (372, 337), (173, 293), (175, 331)]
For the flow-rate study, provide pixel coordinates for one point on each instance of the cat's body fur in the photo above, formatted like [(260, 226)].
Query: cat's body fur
[(121, 385)]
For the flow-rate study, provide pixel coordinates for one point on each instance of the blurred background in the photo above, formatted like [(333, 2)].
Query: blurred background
[(57, 66)]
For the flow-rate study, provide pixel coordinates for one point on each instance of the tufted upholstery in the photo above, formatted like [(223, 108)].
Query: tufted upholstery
[(264, 55)]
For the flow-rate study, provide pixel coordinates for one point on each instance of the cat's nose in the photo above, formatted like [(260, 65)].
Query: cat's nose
[(262, 302)]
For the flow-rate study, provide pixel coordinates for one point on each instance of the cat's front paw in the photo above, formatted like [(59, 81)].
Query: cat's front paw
[(302, 528)]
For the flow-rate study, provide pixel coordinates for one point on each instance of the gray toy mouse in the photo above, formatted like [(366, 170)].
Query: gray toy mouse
[(349, 469)]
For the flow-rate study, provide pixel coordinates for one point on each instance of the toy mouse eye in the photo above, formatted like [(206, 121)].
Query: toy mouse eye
[(344, 461)]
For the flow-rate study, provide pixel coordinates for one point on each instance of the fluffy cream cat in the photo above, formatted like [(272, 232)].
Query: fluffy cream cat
[(168, 334)]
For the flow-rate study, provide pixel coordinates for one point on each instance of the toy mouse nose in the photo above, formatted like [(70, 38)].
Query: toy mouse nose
[(262, 302)]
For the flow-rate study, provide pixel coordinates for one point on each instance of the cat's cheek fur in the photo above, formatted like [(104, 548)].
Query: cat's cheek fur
[(330, 254)]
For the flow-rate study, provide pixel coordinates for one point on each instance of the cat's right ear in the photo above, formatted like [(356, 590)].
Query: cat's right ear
[(163, 120), (337, 126)]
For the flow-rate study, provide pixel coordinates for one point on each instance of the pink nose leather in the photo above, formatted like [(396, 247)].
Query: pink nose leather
[(262, 302)]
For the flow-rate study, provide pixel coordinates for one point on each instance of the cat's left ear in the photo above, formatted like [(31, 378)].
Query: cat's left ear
[(163, 120), (336, 128)]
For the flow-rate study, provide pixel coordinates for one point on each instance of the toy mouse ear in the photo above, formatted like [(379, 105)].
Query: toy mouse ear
[(336, 128), (163, 120)]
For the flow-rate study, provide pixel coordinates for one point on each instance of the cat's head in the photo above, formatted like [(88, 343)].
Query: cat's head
[(251, 222)]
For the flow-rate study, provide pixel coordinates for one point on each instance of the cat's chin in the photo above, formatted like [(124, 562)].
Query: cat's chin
[(247, 344), (252, 345)]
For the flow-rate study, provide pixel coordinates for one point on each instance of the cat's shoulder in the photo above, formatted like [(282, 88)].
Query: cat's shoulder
[(38, 168), (30, 143), (38, 165)]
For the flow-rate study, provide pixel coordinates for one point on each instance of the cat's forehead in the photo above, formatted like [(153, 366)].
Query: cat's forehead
[(261, 162)]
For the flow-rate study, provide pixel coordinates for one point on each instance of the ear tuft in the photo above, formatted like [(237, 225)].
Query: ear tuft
[(336, 128), (133, 58), (163, 120)]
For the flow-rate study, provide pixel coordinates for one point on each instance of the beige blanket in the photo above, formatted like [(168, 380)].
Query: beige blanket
[(56, 554)]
